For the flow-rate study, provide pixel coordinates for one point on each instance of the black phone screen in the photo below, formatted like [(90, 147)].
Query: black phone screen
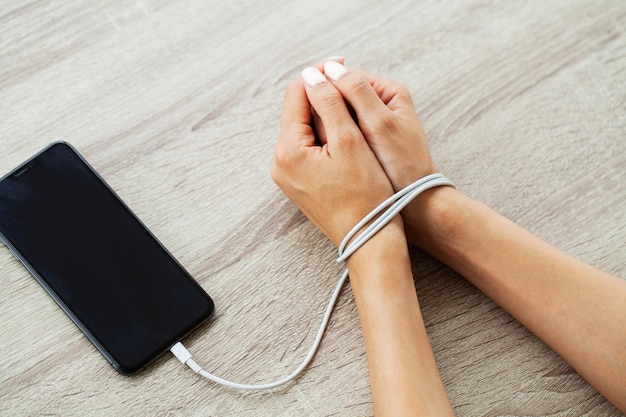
[(100, 263)]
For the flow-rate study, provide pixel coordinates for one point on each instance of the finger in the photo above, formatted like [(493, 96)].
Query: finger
[(296, 116), (357, 89), (374, 116), (296, 135), (357, 86), (392, 93), (329, 104), (318, 126)]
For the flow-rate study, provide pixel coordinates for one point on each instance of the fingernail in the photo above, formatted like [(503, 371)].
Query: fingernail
[(312, 76), (336, 58), (334, 70)]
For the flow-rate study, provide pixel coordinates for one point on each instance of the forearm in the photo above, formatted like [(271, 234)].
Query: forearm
[(403, 373), (576, 309)]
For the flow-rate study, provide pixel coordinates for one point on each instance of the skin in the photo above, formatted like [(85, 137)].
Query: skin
[(576, 309), (348, 182)]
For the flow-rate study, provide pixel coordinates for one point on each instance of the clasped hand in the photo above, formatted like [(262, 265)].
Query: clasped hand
[(337, 167)]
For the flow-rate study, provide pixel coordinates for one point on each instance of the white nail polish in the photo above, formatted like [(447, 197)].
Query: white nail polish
[(334, 70), (312, 76)]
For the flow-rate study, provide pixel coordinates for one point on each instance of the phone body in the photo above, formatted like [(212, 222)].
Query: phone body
[(97, 260)]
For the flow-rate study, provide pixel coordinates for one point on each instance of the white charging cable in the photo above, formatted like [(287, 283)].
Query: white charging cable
[(393, 206)]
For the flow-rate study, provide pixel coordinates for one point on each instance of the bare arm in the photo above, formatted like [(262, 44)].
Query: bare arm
[(404, 376), (576, 309)]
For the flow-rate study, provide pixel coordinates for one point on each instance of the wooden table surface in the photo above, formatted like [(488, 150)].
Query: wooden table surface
[(177, 103)]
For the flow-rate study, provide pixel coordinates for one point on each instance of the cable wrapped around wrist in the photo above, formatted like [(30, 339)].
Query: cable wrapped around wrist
[(392, 206)]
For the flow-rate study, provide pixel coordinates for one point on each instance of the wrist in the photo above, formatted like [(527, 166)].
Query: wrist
[(432, 219), (388, 247)]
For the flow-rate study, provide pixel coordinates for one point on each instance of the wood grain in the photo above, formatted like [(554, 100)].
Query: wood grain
[(177, 105)]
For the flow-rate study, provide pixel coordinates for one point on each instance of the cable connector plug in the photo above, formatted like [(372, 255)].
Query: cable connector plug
[(184, 356), (181, 353)]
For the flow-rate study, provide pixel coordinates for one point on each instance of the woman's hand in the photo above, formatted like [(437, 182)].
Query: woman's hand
[(336, 180), (336, 183), (387, 118)]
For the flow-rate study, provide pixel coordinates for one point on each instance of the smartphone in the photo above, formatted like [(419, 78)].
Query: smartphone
[(97, 260)]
